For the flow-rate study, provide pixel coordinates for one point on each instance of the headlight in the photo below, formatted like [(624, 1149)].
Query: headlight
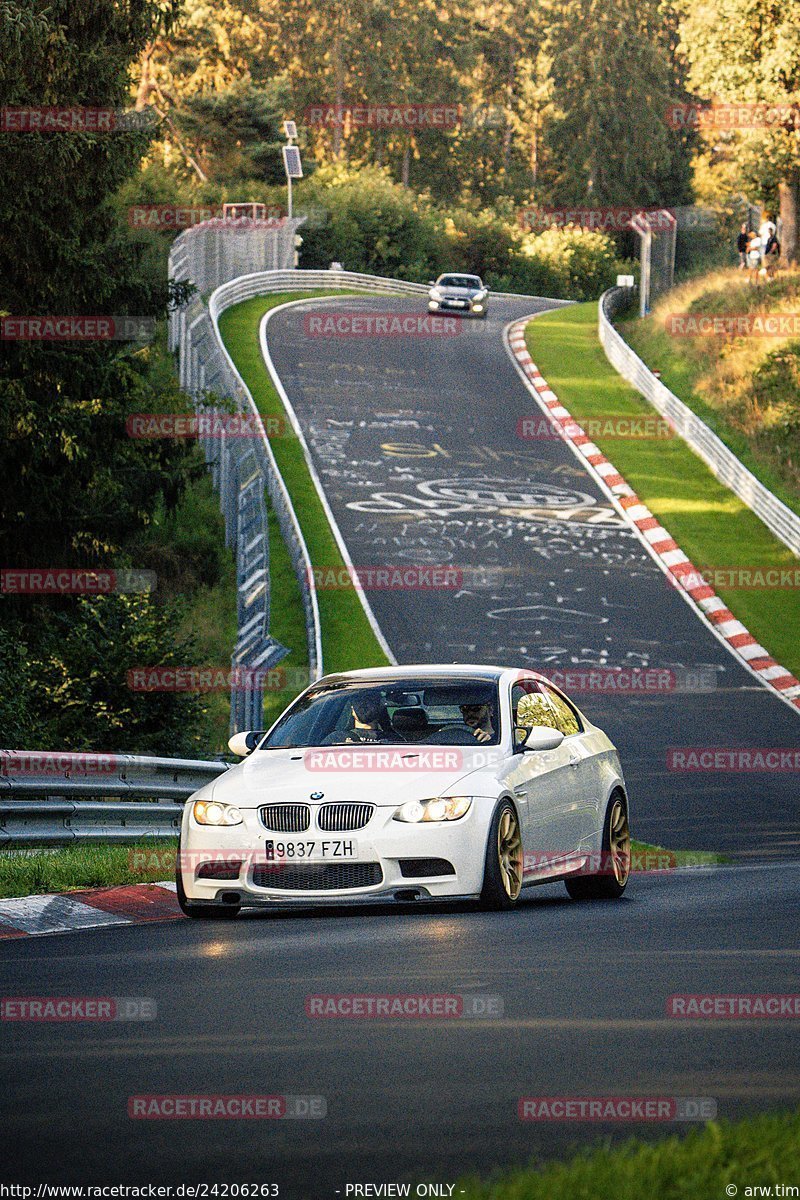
[(480, 295), (211, 813), (447, 808), (435, 294)]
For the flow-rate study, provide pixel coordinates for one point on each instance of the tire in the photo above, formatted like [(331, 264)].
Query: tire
[(616, 857), (502, 872), (202, 911)]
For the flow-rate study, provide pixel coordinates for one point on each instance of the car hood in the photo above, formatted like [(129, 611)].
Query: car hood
[(381, 775)]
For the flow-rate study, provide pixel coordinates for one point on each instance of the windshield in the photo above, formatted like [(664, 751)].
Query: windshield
[(459, 281), (417, 711)]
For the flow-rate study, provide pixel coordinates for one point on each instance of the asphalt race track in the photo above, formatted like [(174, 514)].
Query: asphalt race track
[(583, 988), (416, 442)]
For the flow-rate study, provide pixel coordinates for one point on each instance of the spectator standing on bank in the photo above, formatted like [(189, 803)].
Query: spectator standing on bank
[(741, 246)]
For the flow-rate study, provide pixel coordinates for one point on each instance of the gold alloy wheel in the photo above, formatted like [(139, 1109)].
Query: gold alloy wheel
[(509, 852), (619, 843)]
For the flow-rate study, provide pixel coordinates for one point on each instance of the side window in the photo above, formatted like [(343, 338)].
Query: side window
[(566, 717), (529, 707)]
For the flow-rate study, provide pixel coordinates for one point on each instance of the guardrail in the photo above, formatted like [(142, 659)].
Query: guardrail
[(242, 469), (723, 463), (55, 799)]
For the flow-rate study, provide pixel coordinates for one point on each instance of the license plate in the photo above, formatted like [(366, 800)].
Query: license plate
[(311, 850)]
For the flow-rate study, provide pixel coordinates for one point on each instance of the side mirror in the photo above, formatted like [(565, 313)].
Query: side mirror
[(540, 737), (242, 743), (431, 283)]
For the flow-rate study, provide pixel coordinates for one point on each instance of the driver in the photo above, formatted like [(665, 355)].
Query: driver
[(479, 719), (366, 712)]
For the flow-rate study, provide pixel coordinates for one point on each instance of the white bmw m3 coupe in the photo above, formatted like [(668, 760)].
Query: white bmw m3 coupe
[(411, 783)]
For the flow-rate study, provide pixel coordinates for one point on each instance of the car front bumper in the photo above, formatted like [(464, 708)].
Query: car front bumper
[(467, 309), (395, 857)]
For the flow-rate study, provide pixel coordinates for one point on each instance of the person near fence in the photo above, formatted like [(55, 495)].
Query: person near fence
[(766, 231), (741, 245), (754, 248), (772, 253)]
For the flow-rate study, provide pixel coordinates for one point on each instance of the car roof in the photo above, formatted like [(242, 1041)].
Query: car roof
[(445, 670)]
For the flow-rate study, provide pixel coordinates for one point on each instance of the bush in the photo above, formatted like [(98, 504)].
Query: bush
[(371, 225), (480, 244), (69, 689), (583, 262)]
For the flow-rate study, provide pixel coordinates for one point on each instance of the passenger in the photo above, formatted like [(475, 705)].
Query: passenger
[(479, 719)]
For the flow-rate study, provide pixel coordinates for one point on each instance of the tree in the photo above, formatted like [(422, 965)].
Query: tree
[(73, 483), (613, 72), (70, 688), (748, 51)]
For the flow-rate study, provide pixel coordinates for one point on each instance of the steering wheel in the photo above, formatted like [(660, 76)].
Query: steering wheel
[(453, 735)]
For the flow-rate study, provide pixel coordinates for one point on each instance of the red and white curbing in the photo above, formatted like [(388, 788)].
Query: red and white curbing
[(136, 904), (658, 540)]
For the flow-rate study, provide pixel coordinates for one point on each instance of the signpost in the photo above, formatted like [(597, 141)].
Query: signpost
[(292, 163)]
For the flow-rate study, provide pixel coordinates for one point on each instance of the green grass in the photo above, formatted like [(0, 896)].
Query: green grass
[(762, 1151), (707, 520), (713, 377), (659, 351), (82, 866), (649, 856), (348, 641), (287, 624)]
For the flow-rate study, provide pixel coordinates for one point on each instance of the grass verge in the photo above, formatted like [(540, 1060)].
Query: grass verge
[(70, 867), (758, 1152), (735, 385), (707, 520), (348, 641)]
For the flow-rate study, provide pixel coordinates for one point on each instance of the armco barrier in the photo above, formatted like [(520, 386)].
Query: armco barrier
[(241, 469), (59, 799), (779, 519)]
